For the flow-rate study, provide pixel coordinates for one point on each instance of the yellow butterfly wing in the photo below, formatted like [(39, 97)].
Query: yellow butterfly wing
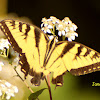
[(77, 58), (39, 56), (29, 41)]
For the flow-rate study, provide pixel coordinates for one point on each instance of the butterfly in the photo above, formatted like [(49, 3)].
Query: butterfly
[(40, 56)]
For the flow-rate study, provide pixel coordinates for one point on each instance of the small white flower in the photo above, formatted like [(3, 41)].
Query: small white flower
[(73, 37), (60, 27), (46, 30), (2, 85), (69, 39), (74, 27), (15, 89), (75, 34), (44, 22), (4, 47), (12, 94), (66, 20), (54, 20), (63, 33), (4, 43), (8, 89), (7, 84), (51, 37), (8, 97), (71, 29), (50, 26), (59, 33), (66, 29), (69, 22), (56, 40)]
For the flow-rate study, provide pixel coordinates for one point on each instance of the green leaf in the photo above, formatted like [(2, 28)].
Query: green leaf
[(35, 95)]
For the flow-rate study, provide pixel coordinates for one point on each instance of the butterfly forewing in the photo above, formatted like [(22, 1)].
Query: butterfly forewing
[(29, 39)]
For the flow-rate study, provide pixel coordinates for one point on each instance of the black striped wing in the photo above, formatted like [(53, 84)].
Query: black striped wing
[(78, 59), (30, 42), (39, 56)]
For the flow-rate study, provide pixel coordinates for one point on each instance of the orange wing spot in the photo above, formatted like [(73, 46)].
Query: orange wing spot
[(20, 62), (6, 33), (9, 38), (23, 70), (98, 67), (12, 46), (10, 42), (20, 55), (59, 84), (84, 72), (79, 74), (89, 69), (94, 68)]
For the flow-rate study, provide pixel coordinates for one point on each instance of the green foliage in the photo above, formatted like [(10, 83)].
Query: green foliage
[(34, 96)]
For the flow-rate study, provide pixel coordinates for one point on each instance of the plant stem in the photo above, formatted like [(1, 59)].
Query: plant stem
[(23, 80), (48, 84)]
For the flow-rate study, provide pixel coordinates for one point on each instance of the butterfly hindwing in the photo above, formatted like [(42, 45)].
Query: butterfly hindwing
[(78, 59)]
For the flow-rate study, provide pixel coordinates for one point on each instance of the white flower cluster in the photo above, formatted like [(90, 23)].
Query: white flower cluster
[(64, 27), (4, 46), (4, 43), (7, 89), (4, 51)]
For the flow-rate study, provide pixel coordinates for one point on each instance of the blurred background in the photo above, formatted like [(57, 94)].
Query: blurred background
[(86, 15)]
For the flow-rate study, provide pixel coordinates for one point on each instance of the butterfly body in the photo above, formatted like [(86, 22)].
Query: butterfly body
[(40, 56)]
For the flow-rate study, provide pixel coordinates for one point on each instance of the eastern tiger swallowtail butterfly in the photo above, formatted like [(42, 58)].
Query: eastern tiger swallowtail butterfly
[(40, 56)]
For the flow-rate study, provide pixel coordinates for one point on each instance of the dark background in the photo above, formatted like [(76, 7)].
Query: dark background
[(84, 13)]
